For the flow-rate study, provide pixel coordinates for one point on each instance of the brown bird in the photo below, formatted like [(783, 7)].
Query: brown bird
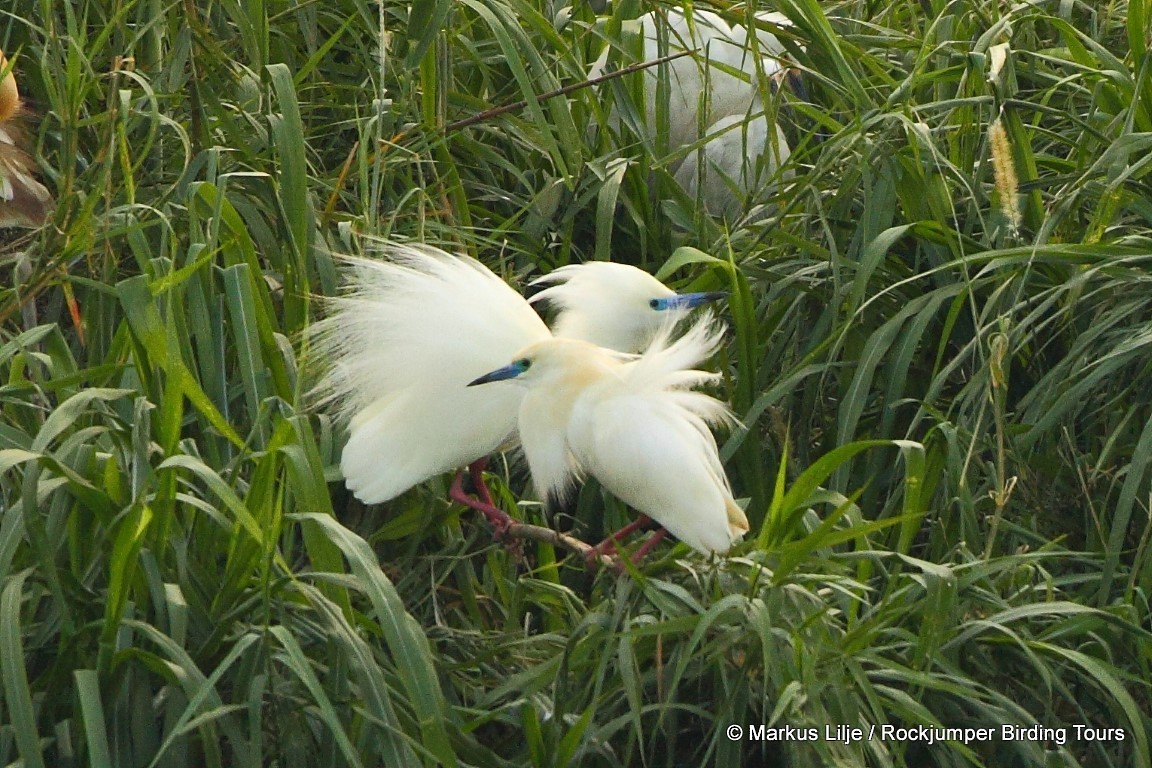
[(24, 202)]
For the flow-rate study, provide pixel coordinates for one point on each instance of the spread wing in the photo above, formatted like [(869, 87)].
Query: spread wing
[(401, 347)]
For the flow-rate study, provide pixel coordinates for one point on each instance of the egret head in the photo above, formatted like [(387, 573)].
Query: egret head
[(510, 371), (613, 305), (555, 363)]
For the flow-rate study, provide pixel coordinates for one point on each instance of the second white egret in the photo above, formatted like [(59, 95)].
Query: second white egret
[(635, 425)]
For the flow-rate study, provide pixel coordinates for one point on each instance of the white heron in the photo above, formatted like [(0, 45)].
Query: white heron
[(24, 202), (613, 305), (634, 424), (715, 102), (410, 333)]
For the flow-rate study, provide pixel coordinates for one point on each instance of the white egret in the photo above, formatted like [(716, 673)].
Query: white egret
[(714, 102), (737, 159), (635, 425), (411, 332), (612, 305), (24, 202)]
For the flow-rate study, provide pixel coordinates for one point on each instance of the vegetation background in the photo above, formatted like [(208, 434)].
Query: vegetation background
[(943, 382)]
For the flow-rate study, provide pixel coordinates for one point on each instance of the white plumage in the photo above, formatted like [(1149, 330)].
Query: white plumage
[(404, 343), (738, 158), (411, 332), (613, 305), (729, 74), (635, 425)]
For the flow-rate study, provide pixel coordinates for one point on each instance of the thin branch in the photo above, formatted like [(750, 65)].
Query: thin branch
[(488, 114), (504, 526), (549, 536)]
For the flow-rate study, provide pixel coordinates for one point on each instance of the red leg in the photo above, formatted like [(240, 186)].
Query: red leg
[(608, 545), (476, 470), (649, 545), (482, 502)]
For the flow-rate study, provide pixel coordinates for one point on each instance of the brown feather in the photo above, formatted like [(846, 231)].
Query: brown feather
[(24, 202)]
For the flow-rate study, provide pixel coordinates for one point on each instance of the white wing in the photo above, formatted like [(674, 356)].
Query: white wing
[(661, 460), (645, 437), (403, 345)]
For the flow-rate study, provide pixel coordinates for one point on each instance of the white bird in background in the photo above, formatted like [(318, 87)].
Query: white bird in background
[(410, 334), (635, 425), (740, 145), (24, 202)]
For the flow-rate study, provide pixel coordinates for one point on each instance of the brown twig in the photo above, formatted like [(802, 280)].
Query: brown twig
[(488, 114), (506, 527), (549, 536)]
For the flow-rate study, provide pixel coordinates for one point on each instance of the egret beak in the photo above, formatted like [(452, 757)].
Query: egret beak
[(500, 374), (690, 300)]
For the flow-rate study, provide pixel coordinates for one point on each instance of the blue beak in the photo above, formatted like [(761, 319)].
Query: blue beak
[(500, 374), (687, 300)]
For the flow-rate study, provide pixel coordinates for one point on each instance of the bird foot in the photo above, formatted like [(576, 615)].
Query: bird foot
[(498, 520)]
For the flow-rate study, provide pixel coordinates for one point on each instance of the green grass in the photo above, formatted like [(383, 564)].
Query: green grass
[(946, 431)]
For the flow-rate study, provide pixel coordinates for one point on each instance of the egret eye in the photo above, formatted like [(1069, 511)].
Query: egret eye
[(654, 303), (524, 363)]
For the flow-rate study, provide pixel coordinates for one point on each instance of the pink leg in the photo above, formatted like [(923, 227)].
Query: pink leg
[(649, 545), (608, 545), (482, 502), (476, 469)]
